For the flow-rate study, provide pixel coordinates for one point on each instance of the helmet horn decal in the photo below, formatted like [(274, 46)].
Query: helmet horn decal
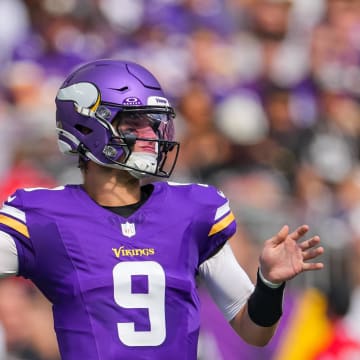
[(84, 95)]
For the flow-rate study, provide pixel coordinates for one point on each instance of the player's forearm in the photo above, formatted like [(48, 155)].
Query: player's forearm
[(250, 332), (258, 319)]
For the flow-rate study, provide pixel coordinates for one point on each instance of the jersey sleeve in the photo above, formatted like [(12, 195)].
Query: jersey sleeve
[(220, 222), (13, 221)]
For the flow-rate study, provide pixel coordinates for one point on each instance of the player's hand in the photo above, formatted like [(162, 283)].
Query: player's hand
[(284, 256)]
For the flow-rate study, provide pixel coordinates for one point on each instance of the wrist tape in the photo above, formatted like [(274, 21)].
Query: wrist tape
[(265, 303), (267, 282)]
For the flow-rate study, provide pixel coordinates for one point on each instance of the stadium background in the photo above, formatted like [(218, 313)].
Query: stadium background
[(267, 96)]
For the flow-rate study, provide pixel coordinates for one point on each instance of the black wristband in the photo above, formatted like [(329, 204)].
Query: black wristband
[(265, 304)]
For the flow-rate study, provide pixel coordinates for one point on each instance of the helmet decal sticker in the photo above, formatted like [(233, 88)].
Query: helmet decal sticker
[(85, 96), (157, 100), (132, 101)]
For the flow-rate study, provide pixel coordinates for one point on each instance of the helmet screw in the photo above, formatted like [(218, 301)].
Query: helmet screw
[(109, 151), (103, 112)]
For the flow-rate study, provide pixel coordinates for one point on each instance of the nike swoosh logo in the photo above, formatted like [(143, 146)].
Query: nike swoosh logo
[(11, 198)]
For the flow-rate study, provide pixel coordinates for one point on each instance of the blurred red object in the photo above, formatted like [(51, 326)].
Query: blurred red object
[(341, 346), (24, 175)]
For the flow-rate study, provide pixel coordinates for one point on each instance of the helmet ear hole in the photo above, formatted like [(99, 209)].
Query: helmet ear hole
[(83, 129)]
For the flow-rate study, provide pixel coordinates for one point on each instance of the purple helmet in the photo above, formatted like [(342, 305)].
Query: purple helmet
[(96, 98)]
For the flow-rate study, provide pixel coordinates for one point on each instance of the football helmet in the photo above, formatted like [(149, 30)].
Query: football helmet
[(94, 103)]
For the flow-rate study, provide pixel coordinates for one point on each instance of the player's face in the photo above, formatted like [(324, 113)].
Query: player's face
[(143, 127)]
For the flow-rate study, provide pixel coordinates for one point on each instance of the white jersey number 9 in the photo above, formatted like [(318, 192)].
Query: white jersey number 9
[(153, 300)]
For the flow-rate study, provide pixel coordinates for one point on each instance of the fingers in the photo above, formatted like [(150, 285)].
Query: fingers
[(299, 232), (312, 253), (314, 241), (313, 266), (309, 252), (284, 232), (309, 249), (280, 236)]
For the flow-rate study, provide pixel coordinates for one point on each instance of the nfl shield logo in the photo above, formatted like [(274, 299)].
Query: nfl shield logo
[(128, 229)]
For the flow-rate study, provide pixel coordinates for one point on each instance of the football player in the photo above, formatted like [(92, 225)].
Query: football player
[(118, 259)]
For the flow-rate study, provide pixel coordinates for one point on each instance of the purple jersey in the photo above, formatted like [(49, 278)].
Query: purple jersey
[(121, 288)]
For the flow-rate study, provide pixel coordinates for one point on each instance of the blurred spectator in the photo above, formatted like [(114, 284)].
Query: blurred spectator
[(12, 32), (27, 322), (199, 136)]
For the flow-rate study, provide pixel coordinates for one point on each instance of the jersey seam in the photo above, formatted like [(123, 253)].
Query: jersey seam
[(81, 295)]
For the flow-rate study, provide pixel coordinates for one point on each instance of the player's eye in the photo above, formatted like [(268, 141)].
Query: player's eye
[(127, 129)]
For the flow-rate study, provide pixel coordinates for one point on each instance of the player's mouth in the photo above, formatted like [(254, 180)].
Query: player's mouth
[(148, 148)]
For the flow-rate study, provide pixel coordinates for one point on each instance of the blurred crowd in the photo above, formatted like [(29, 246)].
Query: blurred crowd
[(267, 95)]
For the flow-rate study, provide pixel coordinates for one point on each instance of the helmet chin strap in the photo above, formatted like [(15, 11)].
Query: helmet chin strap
[(140, 162)]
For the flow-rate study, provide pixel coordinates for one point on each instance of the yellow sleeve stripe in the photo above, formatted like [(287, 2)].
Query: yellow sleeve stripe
[(14, 224), (222, 224)]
